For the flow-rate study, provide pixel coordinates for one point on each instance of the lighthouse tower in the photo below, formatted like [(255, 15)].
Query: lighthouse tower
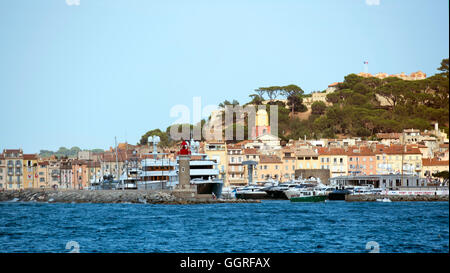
[(184, 171), (261, 124)]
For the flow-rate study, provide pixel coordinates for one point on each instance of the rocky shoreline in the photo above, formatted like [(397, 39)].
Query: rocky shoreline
[(396, 198), (107, 196)]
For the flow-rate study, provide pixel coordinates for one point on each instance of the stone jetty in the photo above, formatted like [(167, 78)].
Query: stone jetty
[(394, 198), (110, 196)]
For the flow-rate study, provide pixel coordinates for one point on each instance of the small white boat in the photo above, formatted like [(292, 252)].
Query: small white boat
[(384, 200)]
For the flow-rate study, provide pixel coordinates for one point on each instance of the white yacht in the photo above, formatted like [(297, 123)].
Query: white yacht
[(162, 173)]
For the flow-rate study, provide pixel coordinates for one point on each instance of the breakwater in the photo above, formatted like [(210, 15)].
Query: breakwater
[(395, 198), (110, 196)]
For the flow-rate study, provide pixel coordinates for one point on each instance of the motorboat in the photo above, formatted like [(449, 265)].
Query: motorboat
[(308, 196)]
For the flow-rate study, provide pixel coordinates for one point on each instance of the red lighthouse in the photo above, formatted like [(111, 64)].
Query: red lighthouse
[(184, 149)]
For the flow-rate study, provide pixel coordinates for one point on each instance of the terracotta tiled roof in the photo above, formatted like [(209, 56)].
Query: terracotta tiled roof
[(434, 162), (333, 84), (12, 151), (397, 149), (93, 164), (234, 147), (306, 152), (250, 151), (360, 151), (269, 159), (331, 151), (30, 157), (43, 163)]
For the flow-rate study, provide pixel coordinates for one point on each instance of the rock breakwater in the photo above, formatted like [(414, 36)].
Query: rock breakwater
[(105, 196), (395, 198)]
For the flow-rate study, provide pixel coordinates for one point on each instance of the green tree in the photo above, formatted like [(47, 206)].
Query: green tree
[(444, 67), (318, 108), (164, 137)]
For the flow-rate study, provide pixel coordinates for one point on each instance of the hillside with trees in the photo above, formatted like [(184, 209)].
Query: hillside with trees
[(64, 152), (360, 107)]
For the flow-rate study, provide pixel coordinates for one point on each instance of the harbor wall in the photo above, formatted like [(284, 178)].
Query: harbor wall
[(112, 196), (394, 198), (323, 174)]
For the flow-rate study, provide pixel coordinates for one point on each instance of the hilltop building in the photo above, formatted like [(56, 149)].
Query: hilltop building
[(419, 75)]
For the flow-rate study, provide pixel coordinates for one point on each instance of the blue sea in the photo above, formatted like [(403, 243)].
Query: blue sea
[(270, 226)]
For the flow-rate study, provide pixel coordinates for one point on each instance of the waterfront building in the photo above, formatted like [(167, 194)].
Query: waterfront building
[(432, 166), (14, 168), (389, 159), (307, 158), (2, 172), (54, 173), (66, 176), (235, 171), (270, 167), (80, 174), (43, 176), (111, 165), (251, 154), (361, 161), (384, 181), (94, 171), (217, 151), (334, 159), (30, 171), (289, 163)]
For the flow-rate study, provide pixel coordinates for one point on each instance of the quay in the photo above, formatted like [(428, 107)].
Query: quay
[(175, 197), (394, 198)]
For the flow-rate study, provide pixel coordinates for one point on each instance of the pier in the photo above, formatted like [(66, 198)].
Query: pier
[(113, 196), (394, 198)]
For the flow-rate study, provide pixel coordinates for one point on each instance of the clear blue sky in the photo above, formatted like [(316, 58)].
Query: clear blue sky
[(78, 75)]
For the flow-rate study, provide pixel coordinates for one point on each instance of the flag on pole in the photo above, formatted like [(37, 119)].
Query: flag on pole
[(366, 62)]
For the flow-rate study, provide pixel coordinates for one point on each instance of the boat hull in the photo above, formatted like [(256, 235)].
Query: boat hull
[(276, 195), (252, 196), (210, 188), (316, 198)]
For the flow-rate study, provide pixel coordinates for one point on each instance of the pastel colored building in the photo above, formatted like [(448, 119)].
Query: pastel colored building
[(289, 163), (14, 168), (270, 167), (2, 172), (235, 170), (361, 161), (66, 174), (30, 171), (251, 154), (389, 159), (334, 159), (217, 151), (43, 176), (80, 174), (432, 166), (307, 158)]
